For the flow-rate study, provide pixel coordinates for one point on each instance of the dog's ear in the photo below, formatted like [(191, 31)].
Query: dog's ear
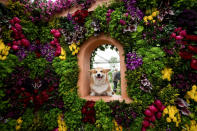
[(106, 70), (91, 71)]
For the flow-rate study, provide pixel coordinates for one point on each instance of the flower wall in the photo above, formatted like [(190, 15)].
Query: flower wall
[(39, 70)]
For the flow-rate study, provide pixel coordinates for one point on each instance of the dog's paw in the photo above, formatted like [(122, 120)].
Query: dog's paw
[(92, 94), (109, 93)]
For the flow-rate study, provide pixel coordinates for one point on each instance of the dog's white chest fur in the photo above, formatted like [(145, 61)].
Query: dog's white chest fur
[(100, 88)]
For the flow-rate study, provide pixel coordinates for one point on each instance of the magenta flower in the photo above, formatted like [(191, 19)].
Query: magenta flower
[(122, 22), (179, 37), (183, 33)]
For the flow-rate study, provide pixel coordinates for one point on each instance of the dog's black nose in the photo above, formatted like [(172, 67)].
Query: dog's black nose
[(98, 75)]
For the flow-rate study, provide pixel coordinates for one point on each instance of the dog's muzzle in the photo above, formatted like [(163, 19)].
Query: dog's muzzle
[(99, 76)]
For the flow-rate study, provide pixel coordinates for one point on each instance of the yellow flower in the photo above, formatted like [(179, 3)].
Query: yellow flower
[(168, 119), (150, 17), (165, 111), (2, 46), (18, 127), (194, 87), (154, 14), (19, 120), (63, 54), (174, 119), (145, 18), (167, 72), (154, 21)]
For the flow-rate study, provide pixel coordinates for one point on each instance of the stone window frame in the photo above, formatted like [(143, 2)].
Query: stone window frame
[(84, 56)]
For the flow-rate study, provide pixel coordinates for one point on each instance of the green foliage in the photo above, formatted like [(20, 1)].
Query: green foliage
[(36, 66), (168, 95), (50, 118), (27, 118), (182, 4), (137, 124), (9, 125), (68, 70), (100, 15), (4, 103), (103, 116), (73, 116), (114, 24), (66, 24), (6, 35), (7, 66), (147, 4), (153, 62), (45, 35), (30, 30), (17, 9)]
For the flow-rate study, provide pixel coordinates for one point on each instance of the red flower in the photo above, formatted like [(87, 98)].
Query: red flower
[(185, 55), (191, 37), (193, 64), (80, 15)]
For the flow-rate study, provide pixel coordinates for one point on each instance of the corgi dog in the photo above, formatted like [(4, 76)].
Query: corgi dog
[(99, 83)]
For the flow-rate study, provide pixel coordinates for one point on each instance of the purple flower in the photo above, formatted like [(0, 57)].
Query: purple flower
[(133, 61)]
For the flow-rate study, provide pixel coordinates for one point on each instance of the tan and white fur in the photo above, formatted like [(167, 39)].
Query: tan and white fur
[(99, 83)]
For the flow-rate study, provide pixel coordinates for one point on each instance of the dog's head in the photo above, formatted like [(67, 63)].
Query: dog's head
[(99, 73)]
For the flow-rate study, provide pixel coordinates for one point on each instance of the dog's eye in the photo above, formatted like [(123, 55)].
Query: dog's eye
[(96, 71), (101, 71)]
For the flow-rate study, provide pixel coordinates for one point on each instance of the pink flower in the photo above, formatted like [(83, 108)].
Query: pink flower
[(173, 35), (16, 20), (148, 112), (179, 37), (18, 27), (126, 14), (183, 33), (15, 47), (122, 22), (145, 123), (25, 42), (178, 29)]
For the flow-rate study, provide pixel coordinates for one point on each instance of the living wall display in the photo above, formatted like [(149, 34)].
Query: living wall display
[(39, 70)]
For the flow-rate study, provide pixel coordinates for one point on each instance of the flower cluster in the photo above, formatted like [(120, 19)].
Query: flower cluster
[(178, 33), (20, 40), (74, 36), (96, 26), (89, 112), (184, 81), (117, 127), (61, 123), (73, 48), (63, 54), (191, 127), (4, 50), (47, 51), (146, 86), (123, 115), (182, 106), (26, 91), (132, 9), (166, 73), (133, 61), (151, 17), (192, 94), (18, 123), (190, 51), (79, 16), (173, 115), (55, 42), (108, 15), (154, 111)]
